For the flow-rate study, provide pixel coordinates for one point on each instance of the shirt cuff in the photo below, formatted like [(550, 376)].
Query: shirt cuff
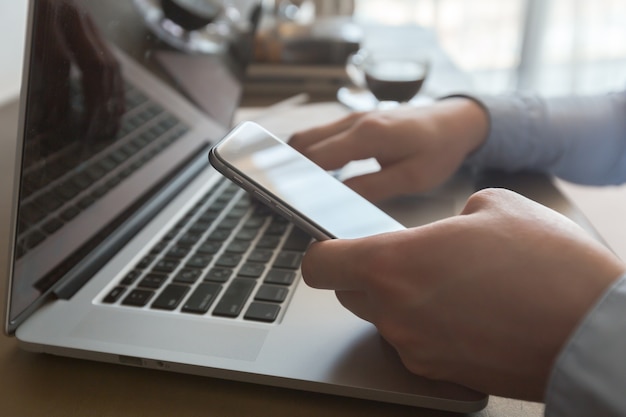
[(509, 127), (589, 376)]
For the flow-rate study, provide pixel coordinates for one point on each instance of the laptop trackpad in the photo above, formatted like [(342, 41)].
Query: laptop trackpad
[(180, 334)]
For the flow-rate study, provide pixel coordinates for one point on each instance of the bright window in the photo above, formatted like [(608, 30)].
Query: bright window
[(565, 46)]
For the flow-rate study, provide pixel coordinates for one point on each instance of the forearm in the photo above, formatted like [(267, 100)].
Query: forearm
[(578, 139)]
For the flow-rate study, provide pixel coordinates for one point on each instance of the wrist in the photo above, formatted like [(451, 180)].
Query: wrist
[(466, 120)]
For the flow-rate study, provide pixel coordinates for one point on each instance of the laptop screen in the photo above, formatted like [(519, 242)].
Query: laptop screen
[(119, 96)]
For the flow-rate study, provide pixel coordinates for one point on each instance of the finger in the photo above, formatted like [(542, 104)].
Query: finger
[(331, 265), (357, 302), (399, 179), (336, 151), (304, 139), (362, 140)]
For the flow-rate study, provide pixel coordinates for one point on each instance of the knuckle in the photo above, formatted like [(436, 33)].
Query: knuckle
[(370, 123), (421, 368), (408, 348), (481, 200)]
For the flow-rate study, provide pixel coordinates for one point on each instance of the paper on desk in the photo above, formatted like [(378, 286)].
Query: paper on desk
[(286, 121)]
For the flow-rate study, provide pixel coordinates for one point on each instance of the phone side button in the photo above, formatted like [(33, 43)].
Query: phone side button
[(283, 211), (263, 198)]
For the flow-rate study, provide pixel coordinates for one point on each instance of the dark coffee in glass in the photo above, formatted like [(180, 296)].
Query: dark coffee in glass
[(394, 80)]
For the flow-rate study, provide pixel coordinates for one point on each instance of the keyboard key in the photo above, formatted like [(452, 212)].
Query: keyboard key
[(48, 202), (244, 202), (31, 214), (237, 213), (254, 222), (199, 260), (251, 270), (82, 180), (66, 191), (199, 227), (246, 234), (95, 172), (276, 228), (201, 299), (33, 238), (131, 277), (268, 242), (85, 202), (228, 224), (171, 297), (187, 275), (118, 156), (218, 274), (138, 298), (297, 240), (280, 277), (166, 265), (216, 207), (189, 239), (145, 262), (219, 235), (288, 260), (114, 295), (152, 281), (177, 252), (208, 217), (171, 234), (159, 247), (99, 192), (262, 312), (69, 213), (260, 255), (238, 246), (52, 225), (228, 260), (233, 300), (210, 248), (272, 293)]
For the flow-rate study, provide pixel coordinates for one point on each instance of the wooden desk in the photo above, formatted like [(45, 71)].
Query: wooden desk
[(37, 384), (42, 385)]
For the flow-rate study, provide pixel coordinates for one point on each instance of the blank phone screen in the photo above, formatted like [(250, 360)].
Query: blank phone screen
[(266, 164)]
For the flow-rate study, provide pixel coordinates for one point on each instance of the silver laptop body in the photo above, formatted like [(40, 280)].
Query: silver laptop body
[(87, 269)]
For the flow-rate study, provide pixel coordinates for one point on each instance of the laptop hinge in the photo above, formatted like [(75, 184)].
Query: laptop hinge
[(84, 270)]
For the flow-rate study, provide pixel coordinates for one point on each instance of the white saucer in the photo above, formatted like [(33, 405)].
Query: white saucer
[(359, 99)]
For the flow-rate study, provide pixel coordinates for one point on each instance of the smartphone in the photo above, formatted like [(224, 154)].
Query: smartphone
[(296, 187)]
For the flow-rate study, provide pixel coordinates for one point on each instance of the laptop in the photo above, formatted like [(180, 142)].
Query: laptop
[(127, 247)]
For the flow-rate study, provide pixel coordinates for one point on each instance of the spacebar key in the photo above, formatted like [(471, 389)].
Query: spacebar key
[(233, 300)]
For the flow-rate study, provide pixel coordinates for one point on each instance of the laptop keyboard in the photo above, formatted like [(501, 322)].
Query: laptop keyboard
[(56, 190), (228, 257)]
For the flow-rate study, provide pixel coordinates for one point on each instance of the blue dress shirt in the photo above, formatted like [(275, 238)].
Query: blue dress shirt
[(582, 140)]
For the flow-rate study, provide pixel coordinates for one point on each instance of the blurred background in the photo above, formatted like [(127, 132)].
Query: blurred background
[(554, 47), (551, 46)]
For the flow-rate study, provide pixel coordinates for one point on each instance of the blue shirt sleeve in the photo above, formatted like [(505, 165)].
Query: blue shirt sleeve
[(579, 139), (589, 377)]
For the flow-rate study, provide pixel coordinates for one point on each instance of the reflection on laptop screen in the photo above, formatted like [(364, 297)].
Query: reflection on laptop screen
[(105, 126)]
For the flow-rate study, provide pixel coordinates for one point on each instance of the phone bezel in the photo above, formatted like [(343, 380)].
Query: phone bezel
[(259, 192)]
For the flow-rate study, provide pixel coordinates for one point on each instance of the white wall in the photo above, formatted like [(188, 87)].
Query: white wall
[(13, 24)]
